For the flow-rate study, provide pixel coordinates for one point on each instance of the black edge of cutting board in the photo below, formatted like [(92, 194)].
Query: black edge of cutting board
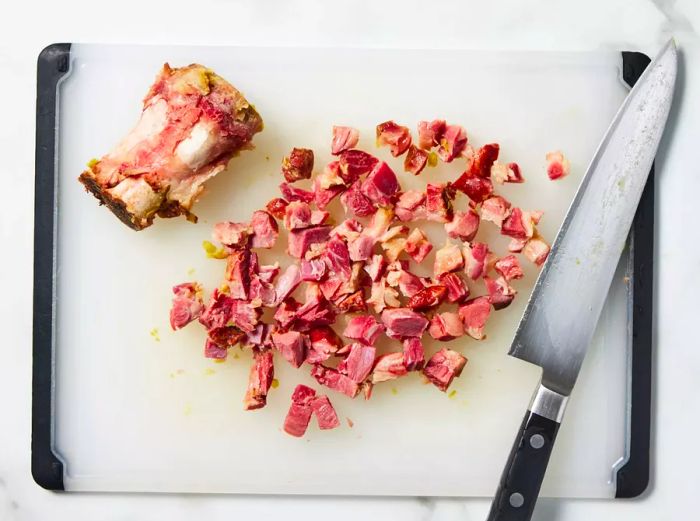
[(47, 469)]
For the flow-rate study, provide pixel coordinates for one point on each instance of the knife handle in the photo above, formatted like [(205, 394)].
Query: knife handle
[(523, 474)]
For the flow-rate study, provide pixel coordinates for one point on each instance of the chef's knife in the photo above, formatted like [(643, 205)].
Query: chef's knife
[(562, 312)]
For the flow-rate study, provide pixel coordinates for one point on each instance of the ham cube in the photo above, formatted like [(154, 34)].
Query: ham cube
[(349, 230), (268, 272), (288, 282), (443, 367), (291, 193), (457, 290), (298, 164), (477, 188), (276, 207), (557, 165), (297, 215), (238, 273), (323, 342), (448, 258), (500, 293), (333, 379), (286, 312), (516, 245), (313, 270), (396, 137), (187, 304), (380, 185), (265, 230), (382, 296), (325, 414), (227, 336), (484, 159), (353, 303), (388, 367), (415, 160), (476, 257), (403, 322), (244, 314), (355, 163), (452, 143), (214, 351), (509, 268), (375, 267), (438, 202), (324, 196), (509, 173), (411, 206), (363, 328), (358, 364), (261, 293), (301, 240), (259, 380), (430, 133), (427, 298), (463, 225), (292, 346), (330, 177), (233, 235), (495, 209), (299, 414), (413, 353), (355, 202), (218, 311), (446, 326), (474, 314), (361, 248), (344, 138), (409, 284), (418, 246), (518, 224), (536, 250), (337, 259)]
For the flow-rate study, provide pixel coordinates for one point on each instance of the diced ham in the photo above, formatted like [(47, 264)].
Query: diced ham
[(476, 258), (396, 137), (516, 245), (413, 353), (409, 284), (500, 293), (557, 165), (475, 187), (227, 336), (325, 414), (333, 379), (355, 202), (262, 293), (509, 267), (463, 225), (277, 207), (337, 258), (268, 272), (265, 230), (438, 202), (457, 290), (187, 304), (244, 315), (286, 312), (415, 160), (299, 414), (313, 270), (417, 245), (446, 326), (292, 193), (330, 177), (344, 138), (324, 196), (316, 310), (452, 143), (403, 322), (536, 250), (292, 346), (430, 133), (382, 296), (358, 364), (509, 173), (443, 367), (301, 240), (518, 225), (353, 303), (375, 267), (349, 230), (323, 342), (474, 314), (217, 312), (298, 164), (427, 298), (495, 209), (393, 248), (259, 380), (380, 185), (288, 282), (363, 328), (238, 273), (484, 159), (213, 350), (388, 367), (355, 163), (448, 258), (297, 215), (411, 206), (233, 235)]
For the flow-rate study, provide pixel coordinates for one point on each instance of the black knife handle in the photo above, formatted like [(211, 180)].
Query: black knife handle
[(523, 474)]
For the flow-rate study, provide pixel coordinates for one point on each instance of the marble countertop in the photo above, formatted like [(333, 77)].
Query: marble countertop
[(543, 24)]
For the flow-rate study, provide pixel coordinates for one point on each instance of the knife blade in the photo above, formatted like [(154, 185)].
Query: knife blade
[(566, 302)]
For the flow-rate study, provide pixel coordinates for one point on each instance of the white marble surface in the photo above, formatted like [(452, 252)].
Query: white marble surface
[(26, 27)]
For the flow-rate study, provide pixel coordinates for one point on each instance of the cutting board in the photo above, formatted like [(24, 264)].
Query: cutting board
[(136, 407)]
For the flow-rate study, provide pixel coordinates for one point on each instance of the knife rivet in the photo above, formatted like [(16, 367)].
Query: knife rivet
[(516, 500), (537, 441)]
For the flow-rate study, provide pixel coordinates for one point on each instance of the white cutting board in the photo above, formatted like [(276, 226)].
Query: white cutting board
[(133, 413)]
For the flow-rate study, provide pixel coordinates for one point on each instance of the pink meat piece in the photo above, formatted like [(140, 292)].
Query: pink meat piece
[(519, 224), (382, 296), (438, 202), (344, 138), (349, 230), (381, 184), (313, 270), (418, 246), (292, 346), (430, 133), (355, 202), (446, 326), (557, 165), (324, 196), (394, 246), (255, 337), (409, 284), (298, 164), (483, 160), (238, 273), (316, 311), (227, 336), (262, 291), (396, 137), (427, 298), (276, 207), (218, 311), (297, 215), (457, 290), (510, 173), (325, 414), (301, 240), (463, 225), (355, 163), (337, 258), (411, 206), (403, 322), (509, 267), (299, 414), (375, 267), (500, 293), (233, 235), (413, 353), (415, 160), (443, 367), (452, 143), (213, 350), (358, 364), (448, 258), (389, 367), (364, 328), (330, 287), (244, 315), (319, 217), (333, 379), (536, 250), (259, 380), (286, 312), (267, 273), (187, 304), (330, 177), (474, 314), (495, 209), (475, 187), (323, 342), (265, 230), (288, 282), (361, 248), (476, 258), (353, 303), (292, 193)]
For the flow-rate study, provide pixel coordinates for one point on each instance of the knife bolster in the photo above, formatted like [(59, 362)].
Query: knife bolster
[(549, 404)]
